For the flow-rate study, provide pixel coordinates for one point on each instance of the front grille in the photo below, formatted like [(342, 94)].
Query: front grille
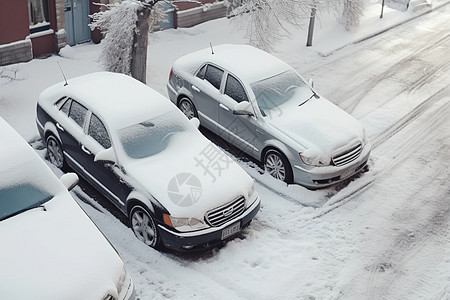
[(347, 156), (222, 214)]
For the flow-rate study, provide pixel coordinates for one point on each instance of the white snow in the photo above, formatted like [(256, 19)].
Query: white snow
[(383, 235)]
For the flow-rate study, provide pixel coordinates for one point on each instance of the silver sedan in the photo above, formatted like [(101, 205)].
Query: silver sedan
[(265, 108)]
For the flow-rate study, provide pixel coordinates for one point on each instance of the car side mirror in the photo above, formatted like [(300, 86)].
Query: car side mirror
[(195, 122), (69, 180), (106, 155), (311, 82), (243, 108)]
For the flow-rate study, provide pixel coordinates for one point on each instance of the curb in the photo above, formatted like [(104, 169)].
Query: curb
[(386, 29)]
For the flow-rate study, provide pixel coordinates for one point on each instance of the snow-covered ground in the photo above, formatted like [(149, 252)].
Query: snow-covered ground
[(383, 235)]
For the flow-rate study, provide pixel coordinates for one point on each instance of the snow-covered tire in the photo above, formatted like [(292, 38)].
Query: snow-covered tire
[(55, 152), (187, 107), (278, 166), (144, 227)]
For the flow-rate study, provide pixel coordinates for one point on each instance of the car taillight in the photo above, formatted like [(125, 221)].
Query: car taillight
[(171, 73)]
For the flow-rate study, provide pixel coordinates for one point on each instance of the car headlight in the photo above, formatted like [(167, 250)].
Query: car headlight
[(251, 191), (365, 139), (183, 224), (312, 160), (123, 285)]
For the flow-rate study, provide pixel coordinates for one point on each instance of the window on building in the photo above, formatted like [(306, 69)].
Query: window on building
[(38, 13)]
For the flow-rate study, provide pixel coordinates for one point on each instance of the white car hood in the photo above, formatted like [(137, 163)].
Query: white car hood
[(209, 184), (317, 125), (56, 253)]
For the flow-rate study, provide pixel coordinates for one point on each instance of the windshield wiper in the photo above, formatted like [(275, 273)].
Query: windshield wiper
[(313, 95), (37, 205)]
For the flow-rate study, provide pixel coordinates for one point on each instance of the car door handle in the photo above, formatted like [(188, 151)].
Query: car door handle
[(259, 131), (59, 127), (85, 150), (224, 107), (196, 89)]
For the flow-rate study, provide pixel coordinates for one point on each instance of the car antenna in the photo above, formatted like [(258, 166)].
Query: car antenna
[(212, 50), (62, 73)]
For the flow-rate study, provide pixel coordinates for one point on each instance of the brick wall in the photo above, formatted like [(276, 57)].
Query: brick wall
[(194, 16), (16, 52)]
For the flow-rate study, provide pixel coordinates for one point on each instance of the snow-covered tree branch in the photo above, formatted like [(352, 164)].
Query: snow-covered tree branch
[(266, 20), (126, 26)]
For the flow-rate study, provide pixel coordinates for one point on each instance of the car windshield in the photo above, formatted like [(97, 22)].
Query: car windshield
[(152, 136), (20, 198), (274, 91)]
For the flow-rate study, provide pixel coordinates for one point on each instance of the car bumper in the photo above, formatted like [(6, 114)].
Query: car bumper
[(206, 238), (318, 177)]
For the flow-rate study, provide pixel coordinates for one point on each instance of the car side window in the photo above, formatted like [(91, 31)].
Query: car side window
[(235, 90), (214, 76), (66, 106), (98, 132), (77, 113)]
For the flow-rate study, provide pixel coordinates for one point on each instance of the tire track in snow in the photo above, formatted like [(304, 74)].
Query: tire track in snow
[(418, 134), (411, 116), (415, 64), (387, 277)]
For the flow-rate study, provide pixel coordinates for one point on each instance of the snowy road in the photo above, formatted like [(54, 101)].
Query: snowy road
[(382, 235)]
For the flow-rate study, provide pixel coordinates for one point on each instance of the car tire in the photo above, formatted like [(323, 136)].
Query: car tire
[(187, 107), (55, 152), (144, 227), (278, 166)]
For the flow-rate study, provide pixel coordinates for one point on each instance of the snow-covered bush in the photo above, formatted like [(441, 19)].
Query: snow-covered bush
[(119, 23)]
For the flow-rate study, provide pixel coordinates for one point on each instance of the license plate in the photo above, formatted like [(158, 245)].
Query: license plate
[(229, 231)]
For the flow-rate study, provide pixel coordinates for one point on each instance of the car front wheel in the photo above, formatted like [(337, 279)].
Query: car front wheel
[(278, 166), (188, 108), (55, 153), (144, 227)]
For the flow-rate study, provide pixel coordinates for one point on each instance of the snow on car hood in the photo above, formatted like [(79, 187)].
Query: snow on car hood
[(318, 125), (190, 176), (56, 253)]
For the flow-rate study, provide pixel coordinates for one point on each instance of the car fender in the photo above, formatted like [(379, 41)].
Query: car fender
[(135, 195), (51, 128), (183, 91), (274, 143)]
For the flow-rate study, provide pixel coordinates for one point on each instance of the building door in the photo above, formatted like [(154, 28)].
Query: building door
[(77, 19), (169, 13)]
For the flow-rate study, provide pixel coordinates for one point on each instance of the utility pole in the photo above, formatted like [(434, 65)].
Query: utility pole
[(382, 9), (311, 27)]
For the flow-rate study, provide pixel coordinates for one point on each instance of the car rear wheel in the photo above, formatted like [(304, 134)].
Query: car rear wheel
[(278, 166), (55, 152), (188, 108), (144, 227)]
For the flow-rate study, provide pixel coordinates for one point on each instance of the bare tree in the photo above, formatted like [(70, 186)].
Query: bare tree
[(352, 12), (266, 20)]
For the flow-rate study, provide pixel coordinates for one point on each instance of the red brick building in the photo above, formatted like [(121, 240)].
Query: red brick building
[(35, 28)]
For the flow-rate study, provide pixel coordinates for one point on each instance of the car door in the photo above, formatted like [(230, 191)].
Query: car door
[(239, 130), (105, 176), (70, 126), (206, 92)]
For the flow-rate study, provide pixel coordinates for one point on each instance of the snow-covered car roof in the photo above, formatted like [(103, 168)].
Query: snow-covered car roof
[(241, 60), (110, 95), (53, 251)]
